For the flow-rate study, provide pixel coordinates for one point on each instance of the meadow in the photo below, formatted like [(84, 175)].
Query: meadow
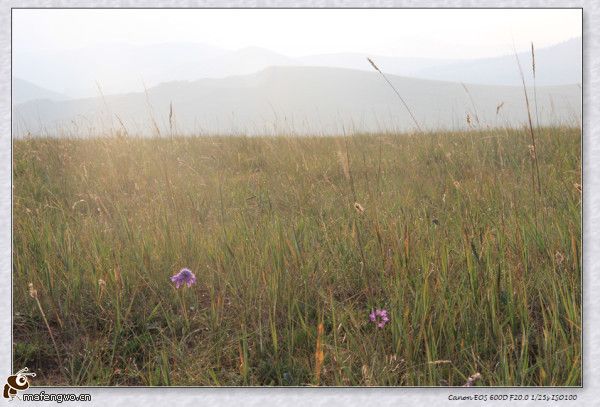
[(470, 240)]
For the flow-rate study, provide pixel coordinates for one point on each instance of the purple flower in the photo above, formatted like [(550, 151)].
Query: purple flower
[(379, 317), (184, 276)]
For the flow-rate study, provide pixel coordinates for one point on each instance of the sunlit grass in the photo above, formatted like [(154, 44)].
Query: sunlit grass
[(479, 273)]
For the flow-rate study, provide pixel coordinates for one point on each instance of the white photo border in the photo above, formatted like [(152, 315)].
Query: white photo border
[(395, 396)]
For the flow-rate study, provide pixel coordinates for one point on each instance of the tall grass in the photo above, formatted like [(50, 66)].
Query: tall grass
[(289, 268)]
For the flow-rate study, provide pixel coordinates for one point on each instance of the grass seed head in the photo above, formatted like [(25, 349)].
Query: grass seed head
[(32, 291), (499, 107), (472, 379), (531, 148)]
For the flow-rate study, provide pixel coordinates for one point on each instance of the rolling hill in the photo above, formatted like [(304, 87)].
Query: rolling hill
[(297, 100), (558, 64), (24, 91), (122, 68)]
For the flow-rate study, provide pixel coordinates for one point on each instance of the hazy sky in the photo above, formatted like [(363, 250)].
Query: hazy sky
[(401, 32)]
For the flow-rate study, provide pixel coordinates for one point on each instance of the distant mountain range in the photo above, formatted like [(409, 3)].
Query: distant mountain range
[(556, 65), (24, 91), (297, 100), (121, 68)]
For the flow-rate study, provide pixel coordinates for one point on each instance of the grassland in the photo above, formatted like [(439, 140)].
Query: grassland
[(478, 267)]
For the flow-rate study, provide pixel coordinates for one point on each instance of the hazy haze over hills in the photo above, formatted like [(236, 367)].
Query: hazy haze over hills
[(556, 65), (258, 91), (297, 100), (122, 68), (24, 91)]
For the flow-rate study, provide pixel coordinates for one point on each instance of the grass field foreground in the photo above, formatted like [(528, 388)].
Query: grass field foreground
[(294, 242)]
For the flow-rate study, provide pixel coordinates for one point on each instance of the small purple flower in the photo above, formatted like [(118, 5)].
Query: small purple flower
[(379, 317), (184, 276)]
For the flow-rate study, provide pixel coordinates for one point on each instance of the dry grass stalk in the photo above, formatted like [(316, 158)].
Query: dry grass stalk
[(319, 354), (472, 102), (151, 111), (33, 293), (499, 107), (397, 93), (171, 119), (439, 362), (344, 164), (531, 132), (537, 118), (242, 359), (366, 375)]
